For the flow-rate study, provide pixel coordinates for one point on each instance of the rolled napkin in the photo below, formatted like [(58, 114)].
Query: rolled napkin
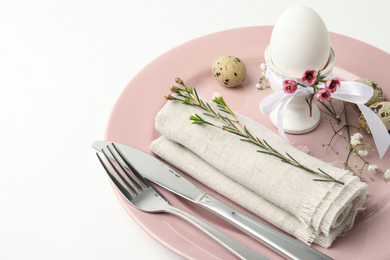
[(284, 195)]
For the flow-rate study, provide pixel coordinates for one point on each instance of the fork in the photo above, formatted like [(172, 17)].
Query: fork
[(143, 196)]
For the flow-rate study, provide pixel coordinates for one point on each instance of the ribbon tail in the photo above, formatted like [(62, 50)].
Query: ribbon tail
[(280, 117), (353, 92), (270, 102), (379, 132)]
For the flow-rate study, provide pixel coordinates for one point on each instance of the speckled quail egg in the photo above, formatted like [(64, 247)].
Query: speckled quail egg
[(382, 109), (378, 92), (230, 71)]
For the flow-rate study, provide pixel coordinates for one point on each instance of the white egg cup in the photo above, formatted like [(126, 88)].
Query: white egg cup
[(297, 118)]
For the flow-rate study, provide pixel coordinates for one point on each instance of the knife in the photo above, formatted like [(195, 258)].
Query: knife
[(167, 177)]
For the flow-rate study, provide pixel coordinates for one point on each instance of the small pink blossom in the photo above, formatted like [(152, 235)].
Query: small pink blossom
[(332, 84), (309, 76), (289, 86), (323, 94)]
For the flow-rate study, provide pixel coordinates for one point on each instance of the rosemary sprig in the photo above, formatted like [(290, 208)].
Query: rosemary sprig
[(231, 124)]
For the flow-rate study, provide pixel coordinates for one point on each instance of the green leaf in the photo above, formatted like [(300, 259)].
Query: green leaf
[(323, 180), (237, 133), (292, 158), (248, 133), (230, 128)]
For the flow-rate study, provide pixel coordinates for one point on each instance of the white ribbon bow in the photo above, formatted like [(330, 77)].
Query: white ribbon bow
[(349, 91)]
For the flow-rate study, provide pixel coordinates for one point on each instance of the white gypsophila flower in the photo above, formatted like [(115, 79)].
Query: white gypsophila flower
[(363, 152), (387, 174), (355, 142), (372, 167), (357, 135), (216, 95), (263, 66), (258, 85), (356, 139)]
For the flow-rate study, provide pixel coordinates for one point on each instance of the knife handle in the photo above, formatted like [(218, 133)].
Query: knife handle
[(270, 237), (237, 248)]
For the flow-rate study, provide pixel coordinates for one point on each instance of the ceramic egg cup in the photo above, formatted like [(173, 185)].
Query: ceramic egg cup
[(297, 119)]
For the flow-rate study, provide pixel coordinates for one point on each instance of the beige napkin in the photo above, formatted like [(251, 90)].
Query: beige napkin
[(283, 195)]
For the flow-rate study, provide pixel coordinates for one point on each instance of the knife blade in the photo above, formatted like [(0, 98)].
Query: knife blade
[(166, 176)]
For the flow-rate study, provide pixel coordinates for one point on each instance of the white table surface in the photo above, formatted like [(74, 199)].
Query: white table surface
[(63, 64)]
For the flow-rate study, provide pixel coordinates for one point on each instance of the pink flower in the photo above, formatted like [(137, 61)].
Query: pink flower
[(332, 84), (289, 86), (309, 76), (323, 94)]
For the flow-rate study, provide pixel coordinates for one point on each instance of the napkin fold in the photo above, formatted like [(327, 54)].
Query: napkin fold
[(284, 195)]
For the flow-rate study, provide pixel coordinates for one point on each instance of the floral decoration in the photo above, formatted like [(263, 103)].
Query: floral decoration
[(323, 94), (290, 86), (310, 77), (313, 78), (339, 121), (332, 84), (263, 81)]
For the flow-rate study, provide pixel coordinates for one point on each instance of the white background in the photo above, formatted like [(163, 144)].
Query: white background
[(63, 64)]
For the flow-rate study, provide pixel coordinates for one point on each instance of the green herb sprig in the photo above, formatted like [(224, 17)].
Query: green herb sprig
[(231, 124)]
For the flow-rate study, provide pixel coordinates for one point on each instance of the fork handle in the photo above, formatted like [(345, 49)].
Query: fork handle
[(237, 248)]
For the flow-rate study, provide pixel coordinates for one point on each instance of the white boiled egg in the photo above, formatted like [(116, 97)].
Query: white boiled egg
[(299, 41)]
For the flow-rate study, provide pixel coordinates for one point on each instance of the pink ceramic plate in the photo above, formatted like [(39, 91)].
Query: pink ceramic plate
[(132, 123)]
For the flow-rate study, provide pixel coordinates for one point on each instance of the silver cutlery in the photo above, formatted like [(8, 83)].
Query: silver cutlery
[(145, 197), (157, 171)]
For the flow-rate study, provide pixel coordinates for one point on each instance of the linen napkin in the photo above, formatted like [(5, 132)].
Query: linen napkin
[(284, 195)]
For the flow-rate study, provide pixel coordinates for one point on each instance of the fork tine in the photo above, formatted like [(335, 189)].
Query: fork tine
[(119, 174), (131, 167), (139, 187), (136, 173), (122, 189)]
